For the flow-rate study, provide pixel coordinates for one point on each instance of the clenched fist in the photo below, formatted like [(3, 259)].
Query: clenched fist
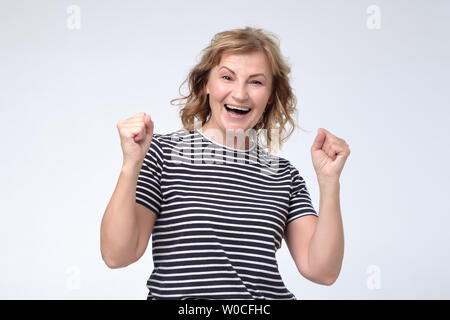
[(135, 137)]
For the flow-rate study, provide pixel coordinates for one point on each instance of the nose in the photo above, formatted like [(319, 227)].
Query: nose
[(240, 93)]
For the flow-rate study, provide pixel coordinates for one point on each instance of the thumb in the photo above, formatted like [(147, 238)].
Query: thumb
[(147, 124), (319, 140), (148, 127)]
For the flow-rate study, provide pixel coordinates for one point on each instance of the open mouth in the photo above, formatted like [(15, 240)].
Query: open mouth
[(237, 110)]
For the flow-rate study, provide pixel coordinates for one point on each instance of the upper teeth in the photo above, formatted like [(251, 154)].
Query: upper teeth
[(237, 108)]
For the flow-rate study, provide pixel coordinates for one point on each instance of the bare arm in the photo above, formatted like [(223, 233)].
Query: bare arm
[(326, 250), (317, 243), (126, 225)]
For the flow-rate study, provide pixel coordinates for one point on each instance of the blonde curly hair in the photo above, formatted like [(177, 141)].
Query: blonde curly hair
[(277, 114)]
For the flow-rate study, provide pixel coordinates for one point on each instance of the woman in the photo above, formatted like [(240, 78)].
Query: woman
[(218, 205)]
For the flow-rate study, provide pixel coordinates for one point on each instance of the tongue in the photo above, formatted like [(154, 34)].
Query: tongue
[(236, 112)]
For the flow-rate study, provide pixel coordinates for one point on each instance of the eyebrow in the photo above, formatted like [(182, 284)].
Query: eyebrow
[(253, 75)]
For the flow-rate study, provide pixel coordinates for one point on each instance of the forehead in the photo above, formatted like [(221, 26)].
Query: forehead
[(253, 62)]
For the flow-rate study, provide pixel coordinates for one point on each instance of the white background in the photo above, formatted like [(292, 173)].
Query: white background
[(385, 91)]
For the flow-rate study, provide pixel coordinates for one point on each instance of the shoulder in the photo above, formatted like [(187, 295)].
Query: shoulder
[(276, 165), (168, 136), (286, 167), (172, 138), (282, 161)]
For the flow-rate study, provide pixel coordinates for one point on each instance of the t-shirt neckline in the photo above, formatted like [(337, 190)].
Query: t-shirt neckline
[(253, 144)]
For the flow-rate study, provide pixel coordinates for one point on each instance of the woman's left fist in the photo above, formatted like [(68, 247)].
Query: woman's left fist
[(328, 154)]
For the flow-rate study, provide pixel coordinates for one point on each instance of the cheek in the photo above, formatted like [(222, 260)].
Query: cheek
[(218, 90), (261, 101)]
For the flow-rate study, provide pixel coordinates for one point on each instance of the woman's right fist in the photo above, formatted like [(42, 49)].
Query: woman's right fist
[(135, 137)]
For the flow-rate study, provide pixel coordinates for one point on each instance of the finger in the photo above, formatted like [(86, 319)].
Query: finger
[(339, 149), (140, 117), (133, 124), (135, 133), (137, 117), (319, 140), (331, 141), (140, 135), (148, 122), (329, 134)]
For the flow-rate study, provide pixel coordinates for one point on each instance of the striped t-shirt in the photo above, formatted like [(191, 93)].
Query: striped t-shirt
[(221, 216)]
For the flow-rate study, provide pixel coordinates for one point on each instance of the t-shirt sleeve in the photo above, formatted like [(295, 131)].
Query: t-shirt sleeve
[(148, 187), (300, 201)]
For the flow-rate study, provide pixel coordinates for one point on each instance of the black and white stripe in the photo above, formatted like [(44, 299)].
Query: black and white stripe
[(221, 216)]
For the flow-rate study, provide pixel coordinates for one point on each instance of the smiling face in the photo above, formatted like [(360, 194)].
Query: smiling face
[(239, 80)]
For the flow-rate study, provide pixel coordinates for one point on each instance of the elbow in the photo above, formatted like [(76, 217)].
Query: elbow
[(325, 280), (110, 262), (114, 263), (325, 277), (116, 259), (329, 281)]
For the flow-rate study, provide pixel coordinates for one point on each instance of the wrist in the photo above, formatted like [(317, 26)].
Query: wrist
[(329, 186), (131, 167)]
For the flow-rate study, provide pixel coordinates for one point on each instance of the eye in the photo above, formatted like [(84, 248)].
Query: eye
[(254, 81)]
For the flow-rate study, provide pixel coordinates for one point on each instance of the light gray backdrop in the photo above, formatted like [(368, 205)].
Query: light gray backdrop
[(375, 73)]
